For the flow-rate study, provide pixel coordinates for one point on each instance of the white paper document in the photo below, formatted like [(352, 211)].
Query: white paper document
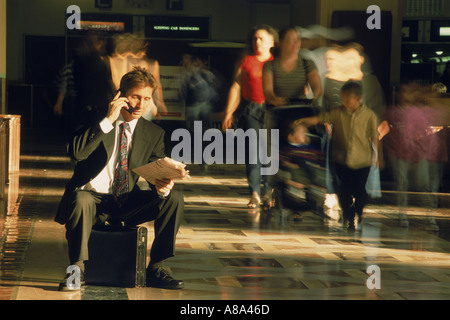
[(164, 168)]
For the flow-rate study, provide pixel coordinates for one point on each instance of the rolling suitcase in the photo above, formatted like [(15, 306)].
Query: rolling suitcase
[(117, 256)]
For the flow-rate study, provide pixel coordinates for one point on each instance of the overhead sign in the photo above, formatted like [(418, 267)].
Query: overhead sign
[(161, 27), (102, 26), (444, 31), (177, 27), (440, 30), (102, 23)]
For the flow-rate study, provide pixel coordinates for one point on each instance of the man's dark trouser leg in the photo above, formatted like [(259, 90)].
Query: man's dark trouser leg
[(83, 215), (142, 206), (167, 214)]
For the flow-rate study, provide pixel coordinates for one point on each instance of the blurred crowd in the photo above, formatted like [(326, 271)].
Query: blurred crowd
[(280, 69)]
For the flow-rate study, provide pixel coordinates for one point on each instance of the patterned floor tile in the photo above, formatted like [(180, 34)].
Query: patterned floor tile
[(225, 251)]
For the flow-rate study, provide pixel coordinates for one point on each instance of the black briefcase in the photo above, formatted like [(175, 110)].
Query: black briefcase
[(117, 256)]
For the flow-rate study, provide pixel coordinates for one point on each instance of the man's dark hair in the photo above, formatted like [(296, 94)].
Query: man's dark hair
[(352, 87), (270, 30), (138, 77)]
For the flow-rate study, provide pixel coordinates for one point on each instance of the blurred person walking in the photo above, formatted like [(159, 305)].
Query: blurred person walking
[(286, 77), (198, 90), (412, 146), (130, 50), (246, 100)]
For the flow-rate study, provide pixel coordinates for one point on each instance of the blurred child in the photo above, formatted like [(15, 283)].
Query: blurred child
[(354, 129), (299, 157)]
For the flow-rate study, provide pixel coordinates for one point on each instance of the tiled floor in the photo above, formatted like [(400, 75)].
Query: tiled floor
[(225, 251)]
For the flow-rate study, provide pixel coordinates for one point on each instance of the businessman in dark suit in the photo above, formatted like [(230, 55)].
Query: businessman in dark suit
[(104, 189)]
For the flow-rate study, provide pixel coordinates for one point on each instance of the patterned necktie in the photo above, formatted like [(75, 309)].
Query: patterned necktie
[(120, 184)]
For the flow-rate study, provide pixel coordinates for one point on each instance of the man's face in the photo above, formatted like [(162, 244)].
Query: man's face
[(262, 42), (139, 98)]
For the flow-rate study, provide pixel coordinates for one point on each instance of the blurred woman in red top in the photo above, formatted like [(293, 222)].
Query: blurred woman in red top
[(247, 93)]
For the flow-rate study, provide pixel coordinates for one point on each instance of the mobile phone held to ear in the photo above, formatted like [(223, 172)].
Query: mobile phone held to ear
[(130, 108)]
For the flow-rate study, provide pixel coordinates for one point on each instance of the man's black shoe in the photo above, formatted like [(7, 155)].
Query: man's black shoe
[(161, 278), (71, 284)]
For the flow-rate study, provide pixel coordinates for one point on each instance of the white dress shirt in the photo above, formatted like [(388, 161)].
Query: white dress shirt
[(103, 182)]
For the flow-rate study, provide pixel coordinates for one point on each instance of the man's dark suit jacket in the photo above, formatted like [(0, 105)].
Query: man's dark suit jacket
[(92, 148)]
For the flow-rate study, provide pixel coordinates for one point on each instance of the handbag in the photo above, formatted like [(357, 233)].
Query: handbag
[(373, 184)]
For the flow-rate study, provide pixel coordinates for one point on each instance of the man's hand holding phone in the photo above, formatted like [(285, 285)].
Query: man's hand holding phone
[(116, 105)]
